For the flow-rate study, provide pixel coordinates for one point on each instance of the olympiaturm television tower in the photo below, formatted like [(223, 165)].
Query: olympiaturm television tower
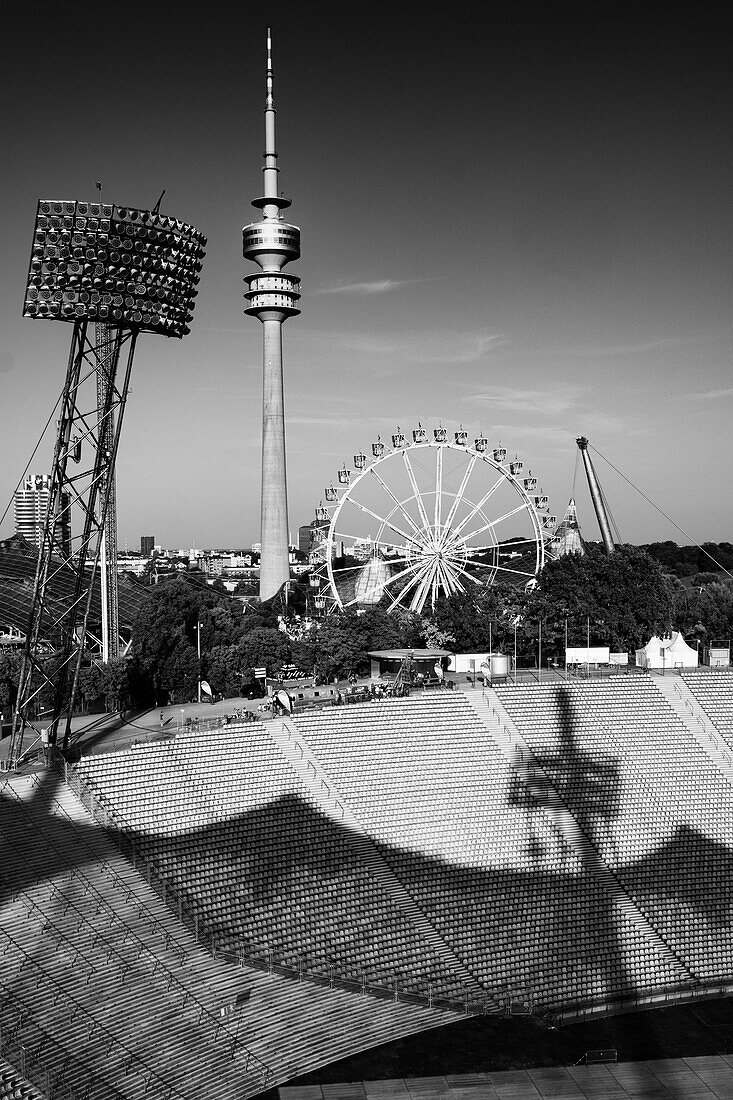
[(272, 296)]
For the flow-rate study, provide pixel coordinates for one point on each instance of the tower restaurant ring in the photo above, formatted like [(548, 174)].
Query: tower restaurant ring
[(428, 518)]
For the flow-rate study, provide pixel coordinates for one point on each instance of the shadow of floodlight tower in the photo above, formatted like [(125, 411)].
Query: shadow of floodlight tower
[(112, 272)]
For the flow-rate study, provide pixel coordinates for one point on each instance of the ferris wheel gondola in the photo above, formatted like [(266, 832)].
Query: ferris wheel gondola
[(427, 518)]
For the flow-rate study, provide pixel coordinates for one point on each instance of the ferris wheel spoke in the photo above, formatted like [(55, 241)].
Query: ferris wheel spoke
[(434, 587), (421, 593), (446, 577), (416, 491), (438, 491), (459, 495), (399, 503), (489, 526), (516, 572), (475, 510), (478, 564), (360, 565), (382, 520), (407, 588), (411, 570), (343, 536), (453, 579)]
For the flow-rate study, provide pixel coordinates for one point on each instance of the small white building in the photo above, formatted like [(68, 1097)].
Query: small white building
[(716, 656), (669, 652)]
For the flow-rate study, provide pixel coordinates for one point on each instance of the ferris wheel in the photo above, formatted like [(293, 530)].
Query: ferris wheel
[(427, 517)]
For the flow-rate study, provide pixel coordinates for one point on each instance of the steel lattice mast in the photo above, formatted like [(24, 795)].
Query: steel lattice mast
[(272, 296), (112, 272), (106, 370)]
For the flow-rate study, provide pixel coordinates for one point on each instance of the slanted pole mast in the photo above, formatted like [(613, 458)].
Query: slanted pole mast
[(596, 495)]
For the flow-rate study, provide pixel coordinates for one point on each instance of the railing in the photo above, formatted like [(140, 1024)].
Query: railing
[(641, 998), (94, 1028), (27, 1059), (186, 915), (702, 722)]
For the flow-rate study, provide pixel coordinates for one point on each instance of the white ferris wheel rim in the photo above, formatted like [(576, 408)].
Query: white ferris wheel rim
[(440, 562)]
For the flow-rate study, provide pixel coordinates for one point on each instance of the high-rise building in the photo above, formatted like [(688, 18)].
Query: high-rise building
[(272, 295), (147, 545), (32, 502), (31, 507)]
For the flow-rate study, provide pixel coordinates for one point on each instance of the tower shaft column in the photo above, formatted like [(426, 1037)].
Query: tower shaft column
[(274, 555), (272, 295)]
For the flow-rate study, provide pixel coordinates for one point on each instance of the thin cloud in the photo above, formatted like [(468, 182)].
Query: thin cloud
[(707, 395), (551, 402), (316, 421), (376, 286), (426, 348), (617, 349)]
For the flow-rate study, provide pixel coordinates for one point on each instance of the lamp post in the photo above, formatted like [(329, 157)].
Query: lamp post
[(198, 652), (515, 651), (539, 653), (566, 647)]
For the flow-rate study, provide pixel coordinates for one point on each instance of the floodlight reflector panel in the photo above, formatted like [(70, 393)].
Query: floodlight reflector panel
[(124, 267)]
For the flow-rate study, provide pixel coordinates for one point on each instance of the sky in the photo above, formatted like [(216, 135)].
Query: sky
[(521, 226)]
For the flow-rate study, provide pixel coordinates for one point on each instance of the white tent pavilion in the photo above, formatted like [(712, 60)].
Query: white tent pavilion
[(671, 651)]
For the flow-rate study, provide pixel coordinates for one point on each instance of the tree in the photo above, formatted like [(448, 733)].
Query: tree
[(226, 671), (264, 647), (163, 633), (624, 596), (479, 617), (706, 611), (177, 677), (9, 677), (89, 685), (115, 684)]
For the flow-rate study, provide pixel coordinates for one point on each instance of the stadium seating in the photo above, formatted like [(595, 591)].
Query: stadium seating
[(648, 798), (79, 941), (14, 1087), (85, 940), (630, 899), (497, 879), (231, 829)]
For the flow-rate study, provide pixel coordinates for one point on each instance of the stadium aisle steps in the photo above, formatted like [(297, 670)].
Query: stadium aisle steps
[(262, 864), (502, 885), (658, 808), (326, 792), (712, 690), (491, 709), (686, 699)]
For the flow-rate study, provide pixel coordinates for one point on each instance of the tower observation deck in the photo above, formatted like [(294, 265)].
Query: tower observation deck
[(272, 295)]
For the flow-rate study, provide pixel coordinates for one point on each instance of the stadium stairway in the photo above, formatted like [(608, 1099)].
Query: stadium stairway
[(99, 976), (304, 763), (697, 722), (492, 712)]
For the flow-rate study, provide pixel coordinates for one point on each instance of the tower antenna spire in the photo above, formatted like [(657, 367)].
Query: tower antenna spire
[(269, 101)]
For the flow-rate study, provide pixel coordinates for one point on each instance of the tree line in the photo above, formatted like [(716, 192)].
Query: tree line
[(618, 600)]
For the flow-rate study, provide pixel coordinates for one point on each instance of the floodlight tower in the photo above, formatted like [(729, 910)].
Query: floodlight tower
[(272, 295), (112, 272)]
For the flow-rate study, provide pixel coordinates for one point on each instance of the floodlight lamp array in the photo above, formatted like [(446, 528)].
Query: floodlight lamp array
[(127, 268)]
